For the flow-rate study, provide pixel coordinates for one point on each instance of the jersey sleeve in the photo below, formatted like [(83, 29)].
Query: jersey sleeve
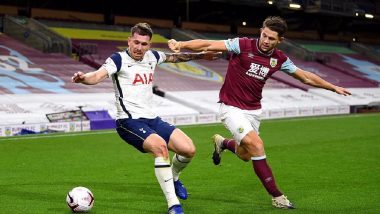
[(112, 64), (288, 66), (232, 45), (162, 57)]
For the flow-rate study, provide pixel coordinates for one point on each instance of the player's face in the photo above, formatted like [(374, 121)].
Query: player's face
[(269, 39), (138, 46)]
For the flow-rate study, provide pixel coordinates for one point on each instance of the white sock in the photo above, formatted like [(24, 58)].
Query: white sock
[(165, 179), (178, 164)]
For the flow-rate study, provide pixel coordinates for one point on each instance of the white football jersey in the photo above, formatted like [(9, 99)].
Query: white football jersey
[(133, 83)]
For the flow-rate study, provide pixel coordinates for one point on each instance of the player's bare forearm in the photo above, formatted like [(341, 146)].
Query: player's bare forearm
[(84, 78), (197, 45), (90, 78), (321, 83), (316, 81), (183, 57), (187, 56)]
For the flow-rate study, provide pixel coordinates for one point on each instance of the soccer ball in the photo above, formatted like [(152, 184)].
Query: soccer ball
[(80, 199)]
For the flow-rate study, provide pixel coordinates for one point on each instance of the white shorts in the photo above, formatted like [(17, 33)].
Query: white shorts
[(239, 122)]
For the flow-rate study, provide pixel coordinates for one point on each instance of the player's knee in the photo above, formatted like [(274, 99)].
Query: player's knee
[(245, 158), (253, 148), (257, 145), (190, 151), (160, 149)]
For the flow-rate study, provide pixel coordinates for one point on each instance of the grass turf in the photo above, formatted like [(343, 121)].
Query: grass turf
[(323, 164)]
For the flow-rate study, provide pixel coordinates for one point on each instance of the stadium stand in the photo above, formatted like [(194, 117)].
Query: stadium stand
[(62, 15), (367, 51), (8, 10), (361, 100), (35, 72), (335, 76), (306, 53), (187, 76), (345, 60), (295, 99), (189, 91), (35, 34), (34, 84)]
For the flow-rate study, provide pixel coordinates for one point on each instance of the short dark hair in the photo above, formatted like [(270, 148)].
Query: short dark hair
[(142, 29), (277, 24)]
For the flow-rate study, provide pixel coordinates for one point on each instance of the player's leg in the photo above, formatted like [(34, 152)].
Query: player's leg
[(184, 149), (220, 145), (252, 148), (142, 137), (179, 143), (244, 126), (236, 122), (155, 145), (249, 146)]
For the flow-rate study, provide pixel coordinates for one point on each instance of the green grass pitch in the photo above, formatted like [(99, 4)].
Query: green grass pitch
[(323, 164)]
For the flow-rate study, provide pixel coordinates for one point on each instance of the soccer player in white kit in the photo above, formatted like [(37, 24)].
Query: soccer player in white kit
[(137, 124)]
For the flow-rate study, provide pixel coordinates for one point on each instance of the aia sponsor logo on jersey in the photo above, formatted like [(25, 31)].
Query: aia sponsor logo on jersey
[(145, 78)]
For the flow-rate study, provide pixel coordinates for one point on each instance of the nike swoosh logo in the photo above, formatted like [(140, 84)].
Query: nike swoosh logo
[(168, 180)]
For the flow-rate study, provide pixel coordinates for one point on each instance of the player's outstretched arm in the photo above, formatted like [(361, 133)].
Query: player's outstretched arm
[(197, 45), (186, 56), (309, 78), (90, 78)]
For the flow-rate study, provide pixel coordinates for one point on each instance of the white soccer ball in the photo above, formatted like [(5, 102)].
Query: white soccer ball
[(80, 199)]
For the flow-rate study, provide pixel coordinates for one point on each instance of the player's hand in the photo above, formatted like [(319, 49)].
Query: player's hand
[(78, 77), (174, 45), (212, 55), (342, 91)]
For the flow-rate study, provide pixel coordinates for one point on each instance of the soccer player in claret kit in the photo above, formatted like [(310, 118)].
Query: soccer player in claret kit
[(252, 62), (137, 124)]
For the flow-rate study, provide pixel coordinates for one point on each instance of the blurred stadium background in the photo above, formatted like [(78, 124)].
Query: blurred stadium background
[(44, 42), (333, 140)]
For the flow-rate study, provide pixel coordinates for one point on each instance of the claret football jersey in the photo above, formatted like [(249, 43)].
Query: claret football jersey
[(247, 72)]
